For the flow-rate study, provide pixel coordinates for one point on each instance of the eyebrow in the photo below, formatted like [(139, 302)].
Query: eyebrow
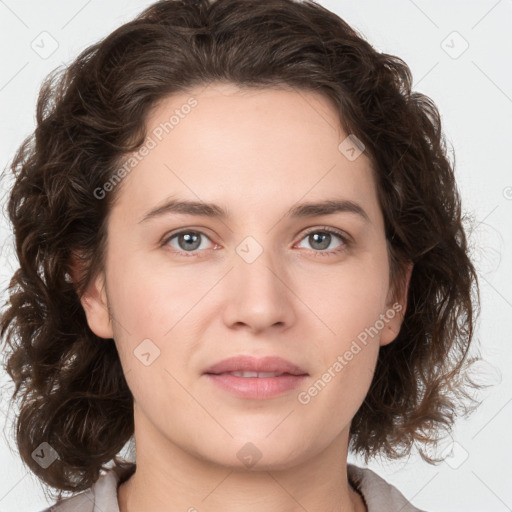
[(304, 210)]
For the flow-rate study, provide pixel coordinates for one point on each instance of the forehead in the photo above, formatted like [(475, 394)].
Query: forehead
[(249, 149)]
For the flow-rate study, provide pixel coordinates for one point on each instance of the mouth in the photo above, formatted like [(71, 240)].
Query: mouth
[(251, 367), (252, 378), (253, 375)]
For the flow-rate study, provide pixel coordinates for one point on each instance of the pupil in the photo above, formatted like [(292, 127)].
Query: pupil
[(325, 242), (189, 238)]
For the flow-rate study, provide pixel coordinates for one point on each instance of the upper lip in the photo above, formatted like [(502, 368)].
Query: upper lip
[(244, 363)]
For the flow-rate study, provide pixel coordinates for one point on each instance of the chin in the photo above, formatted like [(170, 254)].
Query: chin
[(258, 453)]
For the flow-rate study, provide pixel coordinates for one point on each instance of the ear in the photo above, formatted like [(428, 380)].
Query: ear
[(395, 311), (95, 303)]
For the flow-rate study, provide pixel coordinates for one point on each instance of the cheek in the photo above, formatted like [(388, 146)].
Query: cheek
[(334, 395), (152, 310), (346, 351), (148, 300), (347, 299)]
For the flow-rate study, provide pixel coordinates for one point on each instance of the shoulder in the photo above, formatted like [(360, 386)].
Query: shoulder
[(101, 496), (379, 495)]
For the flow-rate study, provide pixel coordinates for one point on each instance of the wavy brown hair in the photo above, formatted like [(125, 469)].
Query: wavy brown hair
[(69, 382)]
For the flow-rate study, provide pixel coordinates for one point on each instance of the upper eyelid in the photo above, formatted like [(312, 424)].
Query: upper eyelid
[(345, 237)]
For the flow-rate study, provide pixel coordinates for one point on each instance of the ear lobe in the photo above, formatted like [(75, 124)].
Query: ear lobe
[(95, 303), (396, 311)]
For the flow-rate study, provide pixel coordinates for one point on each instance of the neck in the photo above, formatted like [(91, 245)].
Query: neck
[(172, 480)]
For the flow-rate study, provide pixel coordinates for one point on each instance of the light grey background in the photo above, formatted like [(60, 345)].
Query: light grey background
[(473, 91)]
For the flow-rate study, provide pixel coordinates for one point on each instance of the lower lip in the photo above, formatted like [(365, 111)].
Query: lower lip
[(254, 387)]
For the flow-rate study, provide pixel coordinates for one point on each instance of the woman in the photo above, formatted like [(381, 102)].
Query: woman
[(240, 242)]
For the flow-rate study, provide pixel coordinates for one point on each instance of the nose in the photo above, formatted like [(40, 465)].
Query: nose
[(259, 292)]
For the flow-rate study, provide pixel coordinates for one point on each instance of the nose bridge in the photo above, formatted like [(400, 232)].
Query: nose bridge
[(259, 294), (257, 264)]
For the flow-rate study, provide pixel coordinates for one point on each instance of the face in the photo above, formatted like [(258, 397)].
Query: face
[(186, 291)]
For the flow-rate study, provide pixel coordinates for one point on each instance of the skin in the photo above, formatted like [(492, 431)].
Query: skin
[(258, 153)]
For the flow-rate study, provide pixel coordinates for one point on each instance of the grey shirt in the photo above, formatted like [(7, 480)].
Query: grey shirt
[(379, 495)]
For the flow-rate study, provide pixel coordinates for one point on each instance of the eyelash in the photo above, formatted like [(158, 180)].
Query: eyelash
[(345, 239)]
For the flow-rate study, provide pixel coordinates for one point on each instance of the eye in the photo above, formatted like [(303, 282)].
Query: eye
[(190, 241), (321, 238), (187, 241)]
